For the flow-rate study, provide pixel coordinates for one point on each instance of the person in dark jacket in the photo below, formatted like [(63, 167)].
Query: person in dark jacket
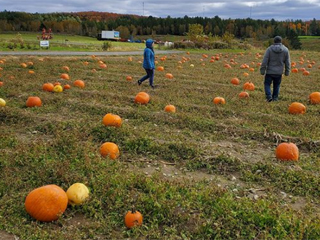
[(148, 63), (275, 60)]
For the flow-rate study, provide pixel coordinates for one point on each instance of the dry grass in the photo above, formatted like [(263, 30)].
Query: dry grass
[(205, 171)]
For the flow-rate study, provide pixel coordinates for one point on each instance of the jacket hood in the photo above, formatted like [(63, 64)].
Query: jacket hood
[(149, 43), (277, 48)]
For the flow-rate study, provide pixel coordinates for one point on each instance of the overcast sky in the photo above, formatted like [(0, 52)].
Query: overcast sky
[(276, 9)]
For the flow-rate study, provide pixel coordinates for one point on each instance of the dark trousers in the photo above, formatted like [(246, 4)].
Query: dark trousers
[(276, 81), (150, 75)]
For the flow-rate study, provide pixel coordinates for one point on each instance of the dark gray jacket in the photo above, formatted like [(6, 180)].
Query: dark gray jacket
[(276, 58)]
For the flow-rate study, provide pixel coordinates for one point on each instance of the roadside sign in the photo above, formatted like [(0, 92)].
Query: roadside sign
[(44, 44)]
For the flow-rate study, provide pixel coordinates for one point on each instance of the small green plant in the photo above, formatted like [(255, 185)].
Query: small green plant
[(106, 45)]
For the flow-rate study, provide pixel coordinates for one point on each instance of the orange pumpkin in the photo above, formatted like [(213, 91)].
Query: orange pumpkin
[(112, 120), (133, 219), (248, 86), (287, 151), (1, 84), (297, 108), (219, 100), (243, 95), (103, 65), (227, 65), (24, 65), (109, 149), (294, 70), (31, 72), (66, 68), (235, 81), (66, 86), (170, 108), (65, 76), (79, 83), (169, 76), (33, 101), (142, 98), (129, 78), (47, 87), (160, 68), (46, 203), (306, 73), (314, 98)]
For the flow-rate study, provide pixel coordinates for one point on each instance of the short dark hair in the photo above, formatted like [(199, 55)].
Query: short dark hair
[(277, 39)]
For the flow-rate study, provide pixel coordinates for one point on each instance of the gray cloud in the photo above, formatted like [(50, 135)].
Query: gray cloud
[(276, 9)]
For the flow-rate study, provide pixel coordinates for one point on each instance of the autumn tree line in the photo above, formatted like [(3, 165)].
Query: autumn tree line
[(92, 23)]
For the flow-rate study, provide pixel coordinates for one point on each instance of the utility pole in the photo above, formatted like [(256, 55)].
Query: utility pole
[(142, 8)]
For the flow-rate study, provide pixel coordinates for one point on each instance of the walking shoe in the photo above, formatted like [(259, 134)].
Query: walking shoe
[(269, 100), (153, 86), (139, 82)]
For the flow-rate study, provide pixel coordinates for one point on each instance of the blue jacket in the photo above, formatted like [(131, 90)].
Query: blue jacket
[(148, 55)]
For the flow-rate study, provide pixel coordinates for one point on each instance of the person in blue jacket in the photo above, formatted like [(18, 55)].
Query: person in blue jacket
[(148, 63)]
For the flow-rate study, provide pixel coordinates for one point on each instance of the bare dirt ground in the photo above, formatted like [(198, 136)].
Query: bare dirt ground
[(7, 236)]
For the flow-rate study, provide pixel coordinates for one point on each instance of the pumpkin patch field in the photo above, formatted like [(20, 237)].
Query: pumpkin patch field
[(87, 153)]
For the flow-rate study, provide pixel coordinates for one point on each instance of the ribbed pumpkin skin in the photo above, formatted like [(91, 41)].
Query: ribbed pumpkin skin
[(142, 98), (109, 149), (248, 86), (160, 68), (112, 120), (65, 76), (79, 83), (235, 81), (219, 100), (169, 76), (297, 108), (170, 108), (133, 219), (48, 87), (46, 203), (243, 95), (314, 98), (33, 101), (287, 151)]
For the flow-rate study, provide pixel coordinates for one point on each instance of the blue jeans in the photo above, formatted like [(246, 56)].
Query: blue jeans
[(150, 75), (268, 80)]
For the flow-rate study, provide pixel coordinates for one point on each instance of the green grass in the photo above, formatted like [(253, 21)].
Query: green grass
[(310, 43), (205, 172), (61, 42)]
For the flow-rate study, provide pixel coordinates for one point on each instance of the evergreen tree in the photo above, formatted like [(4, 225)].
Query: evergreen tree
[(294, 39)]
